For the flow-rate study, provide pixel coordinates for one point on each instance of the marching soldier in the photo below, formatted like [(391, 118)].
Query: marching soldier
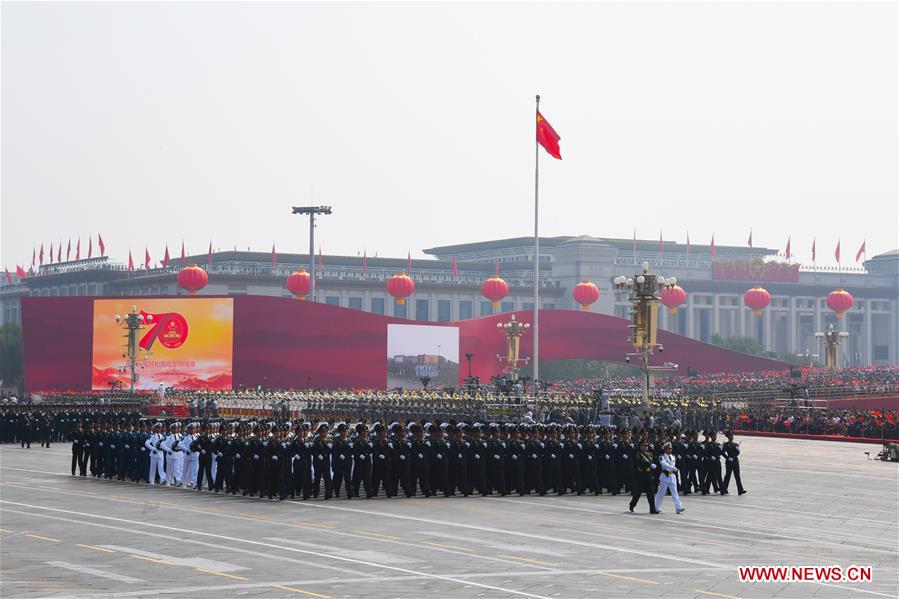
[(361, 448), (420, 458), (321, 460), (382, 460), (77, 439), (731, 452), (644, 465)]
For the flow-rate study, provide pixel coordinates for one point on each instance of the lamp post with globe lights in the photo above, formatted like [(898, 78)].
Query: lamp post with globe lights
[(832, 339), (132, 322), (642, 291), (513, 329)]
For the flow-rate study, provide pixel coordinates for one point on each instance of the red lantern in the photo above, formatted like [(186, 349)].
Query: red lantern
[(400, 286), (673, 297), (192, 278), (757, 299), (299, 283), (495, 289), (585, 293), (839, 301)]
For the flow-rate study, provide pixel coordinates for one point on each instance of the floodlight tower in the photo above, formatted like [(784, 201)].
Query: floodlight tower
[(312, 211)]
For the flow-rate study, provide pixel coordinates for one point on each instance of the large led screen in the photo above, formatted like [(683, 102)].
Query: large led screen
[(186, 344), (421, 353)]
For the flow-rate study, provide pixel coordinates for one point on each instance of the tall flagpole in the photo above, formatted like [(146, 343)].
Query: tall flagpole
[(536, 249)]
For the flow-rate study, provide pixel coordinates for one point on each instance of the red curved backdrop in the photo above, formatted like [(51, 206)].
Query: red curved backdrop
[(280, 342)]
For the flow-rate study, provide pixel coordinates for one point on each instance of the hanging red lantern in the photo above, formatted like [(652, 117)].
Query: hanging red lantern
[(400, 286), (585, 293), (192, 278), (495, 289), (757, 299), (839, 301), (673, 297), (299, 283)]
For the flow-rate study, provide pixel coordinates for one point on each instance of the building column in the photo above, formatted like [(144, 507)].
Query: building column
[(741, 314), (690, 320), (868, 343), (716, 315), (768, 328), (791, 322)]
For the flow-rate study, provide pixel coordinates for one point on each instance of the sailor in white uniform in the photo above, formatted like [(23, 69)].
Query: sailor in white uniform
[(157, 457), (668, 479), (173, 456), (191, 459)]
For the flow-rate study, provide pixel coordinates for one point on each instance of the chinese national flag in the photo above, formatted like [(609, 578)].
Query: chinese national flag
[(209, 256), (130, 261), (165, 258), (9, 277), (182, 254), (41, 255), (364, 260), (146, 259), (101, 244), (712, 246), (69, 250), (78, 250), (836, 252), (20, 272), (90, 247), (548, 138), (860, 251), (455, 267)]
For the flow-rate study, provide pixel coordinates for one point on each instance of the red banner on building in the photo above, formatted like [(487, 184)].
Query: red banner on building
[(755, 270)]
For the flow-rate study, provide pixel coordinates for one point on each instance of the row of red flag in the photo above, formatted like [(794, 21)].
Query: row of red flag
[(57, 256), (788, 253)]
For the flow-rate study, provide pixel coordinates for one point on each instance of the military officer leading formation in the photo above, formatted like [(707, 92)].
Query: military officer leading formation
[(284, 459)]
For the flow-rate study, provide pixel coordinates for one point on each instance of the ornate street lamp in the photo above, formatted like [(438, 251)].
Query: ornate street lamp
[(642, 291), (513, 330), (132, 322), (832, 339)]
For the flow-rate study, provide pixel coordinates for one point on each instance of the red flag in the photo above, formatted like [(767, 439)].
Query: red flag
[(78, 250), (146, 259), (274, 258), (130, 260), (860, 251), (69, 250), (90, 247), (165, 258), (409, 261), (33, 254), (789, 255), (455, 267), (689, 249), (712, 247), (209, 256), (51, 253), (20, 272), (9, 277), (59, 253), (661, 244), (182, 253), (364, 261), (42, 254), (813, 249), (547, 137), (750, 238), (101, 244), (836, 252)]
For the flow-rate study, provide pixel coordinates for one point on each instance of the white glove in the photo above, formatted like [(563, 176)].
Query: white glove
[(362, 457), (402, 457), (477, 456), (101, 444), (695, 457), (570, 456), (552, 455), (321, 457), (730, 459), (653, 466), (342, 457), (274, 457), (381, 455), (420, 456), (514, 457), (203, 451), (111, 446), (589, 457), (534, 456), (237, 455), (296, 456), (460, 456), (625, 456), (127, 447), (607, 456), (439, 456), (255, 456)]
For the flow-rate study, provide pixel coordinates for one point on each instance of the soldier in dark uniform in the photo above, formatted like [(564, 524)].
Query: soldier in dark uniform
[(399, 468), (419, 471), (321, 460), (534, 449), (382, 459), (552, 461), (77, 439), (712, 463), (496, 458), (302, 471), (644, 469), (570, 450), (440, 452), (225, 448), (342, 461), (25, 430), (606, 462), (624, 469), (590, 461), (48, 429), (731, 453), (203, 445), (362, 447), (516, 453), (477, 464), (458, 463)]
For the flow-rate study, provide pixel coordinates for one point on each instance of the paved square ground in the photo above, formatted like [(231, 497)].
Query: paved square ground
[(809, 503)]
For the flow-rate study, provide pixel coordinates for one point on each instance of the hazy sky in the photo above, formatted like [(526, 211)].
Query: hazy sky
[(157, 122)]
